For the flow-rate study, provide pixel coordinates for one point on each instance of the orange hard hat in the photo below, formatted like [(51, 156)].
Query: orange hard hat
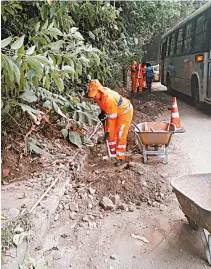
[(94, 87)]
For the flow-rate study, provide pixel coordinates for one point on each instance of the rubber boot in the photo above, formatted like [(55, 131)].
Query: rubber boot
[(118, 163)]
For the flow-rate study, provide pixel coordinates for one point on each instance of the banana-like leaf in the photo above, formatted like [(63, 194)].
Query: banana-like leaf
[(85, 117), (29, 96), (75, 139)]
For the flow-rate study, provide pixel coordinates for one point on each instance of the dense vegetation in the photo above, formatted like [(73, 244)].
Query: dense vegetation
[(49, 47)]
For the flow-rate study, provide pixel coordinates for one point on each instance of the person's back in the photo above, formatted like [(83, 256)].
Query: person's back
[(149, 76)]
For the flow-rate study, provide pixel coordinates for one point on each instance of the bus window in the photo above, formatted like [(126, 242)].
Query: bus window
[(188, 38), (199, 41), (179, 42), (168, 46), (172, 44)]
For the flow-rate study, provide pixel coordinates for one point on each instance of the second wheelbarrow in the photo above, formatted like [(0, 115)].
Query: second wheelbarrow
[(154, 138)]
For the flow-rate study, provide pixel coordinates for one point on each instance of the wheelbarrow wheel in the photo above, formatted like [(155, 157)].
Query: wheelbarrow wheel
[(192, 223)]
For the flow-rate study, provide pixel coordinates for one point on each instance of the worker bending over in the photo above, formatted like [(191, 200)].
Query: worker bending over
[(119, 112), (134, 78), (141, 70)]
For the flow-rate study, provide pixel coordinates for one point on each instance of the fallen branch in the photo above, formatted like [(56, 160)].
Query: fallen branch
[(44, 194), (50, 187), (95, 130)]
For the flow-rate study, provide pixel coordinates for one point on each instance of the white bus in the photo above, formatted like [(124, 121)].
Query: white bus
[(185, 56)]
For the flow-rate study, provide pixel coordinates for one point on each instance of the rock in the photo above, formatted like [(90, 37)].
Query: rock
[(92, 225), (14, 212), (116, 199), (73, 206), (92, 191), (66, 192), (85, 219), (113, 256), (57, 255), (72, 215), (101, 216), (92, 217), (155, 204), (66, 206), (106, 203), (123, 207), (131, 208), (61, 206), (164, 175)]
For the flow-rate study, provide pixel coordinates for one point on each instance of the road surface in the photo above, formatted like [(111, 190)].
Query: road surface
[(171, 242)]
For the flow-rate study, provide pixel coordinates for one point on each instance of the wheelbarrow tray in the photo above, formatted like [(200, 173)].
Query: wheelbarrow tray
[(155, 133), (194, 195)]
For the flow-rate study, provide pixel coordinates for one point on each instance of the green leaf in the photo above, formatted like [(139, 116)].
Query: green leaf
[(73, 30), (75, 139), (18, 43), (87, 117), (58, 81), (78, 36), (17, 73), (55, 31), (45, 25), (30, 50), (34, 148), (91, 35), (5, 42), (58, 110), (35, 64), (29, 96), (37, 26), (42, 59), (68, 68), (55, 46), (65, 133)]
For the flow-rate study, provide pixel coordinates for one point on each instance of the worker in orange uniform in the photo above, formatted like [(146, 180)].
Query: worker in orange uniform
[(134, 78), (119, 112), (141, 71)]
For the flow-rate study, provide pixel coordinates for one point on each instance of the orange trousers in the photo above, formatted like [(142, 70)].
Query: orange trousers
[(140, 84), (119, 132), (134, 82)]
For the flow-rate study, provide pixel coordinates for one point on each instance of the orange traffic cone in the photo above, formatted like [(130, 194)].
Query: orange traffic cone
[(175, 118)]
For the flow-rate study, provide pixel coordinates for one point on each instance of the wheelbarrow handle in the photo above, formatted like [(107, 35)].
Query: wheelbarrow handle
[(136, 126)]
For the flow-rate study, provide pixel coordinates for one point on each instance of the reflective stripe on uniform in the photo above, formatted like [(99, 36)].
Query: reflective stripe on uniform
[(120, 153), (126, 109), (174, 105), (112, 149), (121, 130), (175, 115), (121, 146), (112, 143), (112, 116)]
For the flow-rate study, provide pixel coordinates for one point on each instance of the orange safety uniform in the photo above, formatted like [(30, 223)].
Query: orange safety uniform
[(141, 71), (134, 77), (119, 113)]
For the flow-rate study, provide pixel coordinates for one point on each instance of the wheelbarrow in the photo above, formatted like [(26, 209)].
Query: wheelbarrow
[(154, 137), (194, 195)]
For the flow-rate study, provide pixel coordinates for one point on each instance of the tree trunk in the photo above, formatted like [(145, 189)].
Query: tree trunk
[(124, 73)]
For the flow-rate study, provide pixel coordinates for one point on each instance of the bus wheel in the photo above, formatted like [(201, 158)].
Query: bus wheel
[(195, 92), (169, 89)]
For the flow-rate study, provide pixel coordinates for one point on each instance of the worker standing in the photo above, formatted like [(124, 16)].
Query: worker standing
[(141, 70), (119, 112), (149, 76), (134, 78)]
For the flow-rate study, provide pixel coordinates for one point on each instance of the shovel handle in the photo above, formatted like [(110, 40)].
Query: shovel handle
[(108, 149)]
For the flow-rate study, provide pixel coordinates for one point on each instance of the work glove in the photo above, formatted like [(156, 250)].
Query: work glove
[(106, 137)]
